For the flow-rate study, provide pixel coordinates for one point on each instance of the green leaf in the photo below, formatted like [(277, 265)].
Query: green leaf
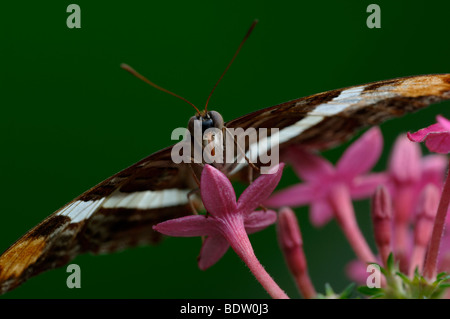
[(440, 275), (416, 272), (370, 291), (347, 291), (443, 278), (444, 285), (328, 290), (384, 271), (390, 263), (405, 278)]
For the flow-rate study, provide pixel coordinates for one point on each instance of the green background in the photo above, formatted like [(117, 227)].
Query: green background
[(70, 117)]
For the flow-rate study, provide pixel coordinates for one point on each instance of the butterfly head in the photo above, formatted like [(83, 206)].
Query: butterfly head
[(209, 119)]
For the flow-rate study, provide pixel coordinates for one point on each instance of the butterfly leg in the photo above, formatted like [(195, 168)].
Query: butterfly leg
[(194, 191), (194, 175), (192, 201), (239, 148), (250, 175)]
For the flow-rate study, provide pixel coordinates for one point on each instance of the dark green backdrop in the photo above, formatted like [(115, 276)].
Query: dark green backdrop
[(70, 117)]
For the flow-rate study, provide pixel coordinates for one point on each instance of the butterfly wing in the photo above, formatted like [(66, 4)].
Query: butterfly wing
[(327, 119), (349, 108), (115, 214)]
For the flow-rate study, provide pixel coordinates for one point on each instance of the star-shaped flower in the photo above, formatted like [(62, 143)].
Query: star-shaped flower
[(329, 190), (321, 178), (229, 221)]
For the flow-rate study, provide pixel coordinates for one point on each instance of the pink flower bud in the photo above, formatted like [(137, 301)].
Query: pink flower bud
[(426, 215), (424, 226), (291, 244), (381, 216)]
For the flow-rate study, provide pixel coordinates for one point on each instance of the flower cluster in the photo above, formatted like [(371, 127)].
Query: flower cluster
[(409, 213)]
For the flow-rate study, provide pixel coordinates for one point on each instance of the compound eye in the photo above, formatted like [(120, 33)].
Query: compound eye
[(207, 123), (217, 119)]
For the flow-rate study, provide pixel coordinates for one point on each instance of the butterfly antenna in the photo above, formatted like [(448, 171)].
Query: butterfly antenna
[(128, 68), (231, 62)]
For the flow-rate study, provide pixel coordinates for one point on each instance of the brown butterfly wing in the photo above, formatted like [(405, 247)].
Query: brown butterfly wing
[(64, 235), (375, 103)]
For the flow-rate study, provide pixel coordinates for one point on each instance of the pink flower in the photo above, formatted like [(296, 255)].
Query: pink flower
[(419, 238), (409, 170), (321, 178), (409, 173), (423, 227), (437, 139), (330, 190), (412, 182), (436, 136), (229, 221)]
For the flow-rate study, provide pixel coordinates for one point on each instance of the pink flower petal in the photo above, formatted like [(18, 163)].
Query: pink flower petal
[(434, 164), (422, 134), (320, 213), (444, 251), (259, 190), (213, 248), (443, 121), (436, 136), (308, 166), (365, 186), (188, 226), (426, 213), (259, 220), (217, 192), (362, 155), (433, 169), (356, 270), (438, 142), (444, 265), (445, 243), (404, 163), (294, 196)]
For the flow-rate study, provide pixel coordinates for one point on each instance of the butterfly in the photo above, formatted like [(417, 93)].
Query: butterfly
[(119, 212)]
